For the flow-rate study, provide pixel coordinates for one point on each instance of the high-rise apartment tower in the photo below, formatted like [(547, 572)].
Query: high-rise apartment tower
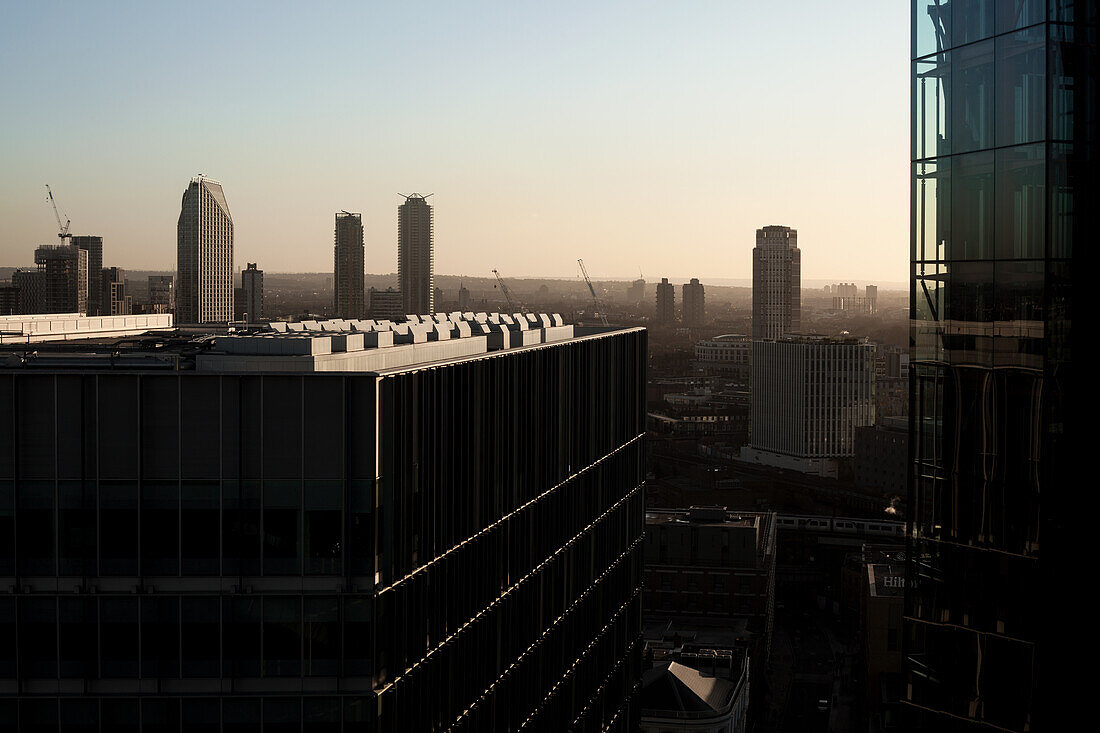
[(776, 283), (252, 280), (666, 301), (693, 310), (204, 255), (94, 247), (347, 267), (416, 255)]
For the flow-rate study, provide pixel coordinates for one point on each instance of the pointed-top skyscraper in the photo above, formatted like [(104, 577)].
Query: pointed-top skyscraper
[(204, 255)]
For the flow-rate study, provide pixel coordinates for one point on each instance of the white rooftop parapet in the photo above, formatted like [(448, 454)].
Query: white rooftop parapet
[(311, 325), (277, 326), (410, 318), (347, 342), (556, 318), (499, 337), (297, 326), (557, 333), (544, 320), (463, 329), (378, 339)]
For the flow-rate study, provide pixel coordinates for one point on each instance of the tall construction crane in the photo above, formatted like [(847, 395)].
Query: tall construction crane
[(595, 300), (63, 229), (516, 307)]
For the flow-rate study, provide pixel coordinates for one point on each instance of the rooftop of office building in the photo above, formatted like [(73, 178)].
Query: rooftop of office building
[(60, 341)]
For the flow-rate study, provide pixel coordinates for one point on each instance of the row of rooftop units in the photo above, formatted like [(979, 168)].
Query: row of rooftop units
[(339, 335)]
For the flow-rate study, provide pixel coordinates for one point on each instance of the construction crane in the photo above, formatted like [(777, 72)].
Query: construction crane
[(516, 307), (63, 229), (595, 300)]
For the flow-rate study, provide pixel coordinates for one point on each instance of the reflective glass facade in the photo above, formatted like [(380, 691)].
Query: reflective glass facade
[(451, 546), (1003, 180)]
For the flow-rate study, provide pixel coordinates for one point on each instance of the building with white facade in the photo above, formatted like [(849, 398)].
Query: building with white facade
[(729, 355), (809, 394), (776, 283), (204, 255)]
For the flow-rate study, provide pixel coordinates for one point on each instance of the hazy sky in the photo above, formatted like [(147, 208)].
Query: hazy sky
[(641, 136)]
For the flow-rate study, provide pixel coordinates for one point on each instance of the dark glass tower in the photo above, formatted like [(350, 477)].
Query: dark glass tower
[(268, 541), (1003, 180)]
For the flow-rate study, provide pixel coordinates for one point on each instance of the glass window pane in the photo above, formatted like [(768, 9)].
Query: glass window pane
[(931, 81), (972, 97), (1021, 86), (199, 632), (76, 527), (120, 715), (241, 637), (160, 636), (78, 635), (969, 313), (1019, 313), (323, 525), (1065, 168), (282, 527), (358, 641), (322, 636), (282, 715), (971, 207), (79, 716), (201, 715), (8, 638), (241, 527), (282, 637), (931, 23), (118, 630), (200, 521), (972, 20), (321, 715), (1013, 14), (241, 715), (931, 213), (36, 527), (7, 525), (160, 715), (118, 527), (1021, 200), (160, 527), (38, 637)]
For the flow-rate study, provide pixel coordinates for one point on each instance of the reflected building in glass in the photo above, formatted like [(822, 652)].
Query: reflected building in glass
[(1004, 158)]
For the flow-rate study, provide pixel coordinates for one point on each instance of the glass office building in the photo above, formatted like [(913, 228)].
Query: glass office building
[(1003, 183), (450, 545)]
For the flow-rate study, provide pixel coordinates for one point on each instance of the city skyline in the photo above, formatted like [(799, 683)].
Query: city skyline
[(550, 139)]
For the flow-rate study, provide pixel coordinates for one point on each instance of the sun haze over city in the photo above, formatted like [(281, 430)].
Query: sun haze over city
[(643, 136)]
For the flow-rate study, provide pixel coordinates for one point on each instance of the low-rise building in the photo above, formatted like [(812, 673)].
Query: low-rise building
[(712, 564), (691, 689), (882, 455), (729, 356)]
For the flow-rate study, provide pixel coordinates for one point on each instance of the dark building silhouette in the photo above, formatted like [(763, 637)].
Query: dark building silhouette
[(94, 247), (64, 269), (252, 281), (223, 532), (693, 310), (666, 301), (416, 255), (347, 267), (113, 298), (1004, 189)]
